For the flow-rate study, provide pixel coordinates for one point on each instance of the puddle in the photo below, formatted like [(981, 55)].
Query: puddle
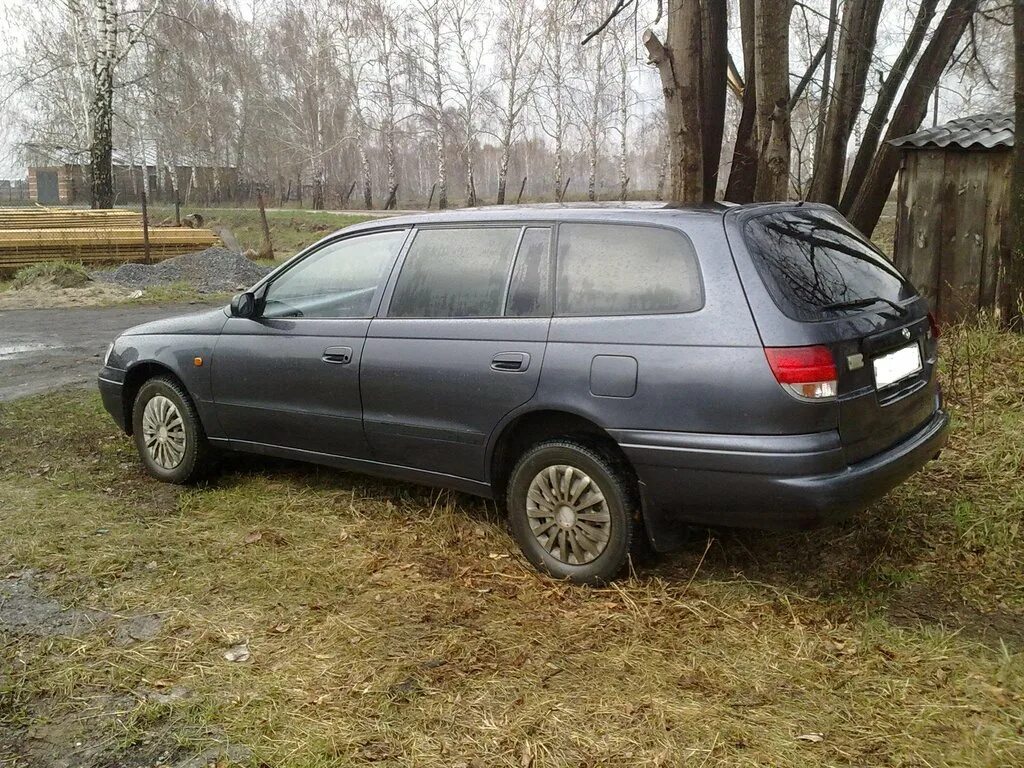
[(8, 351)]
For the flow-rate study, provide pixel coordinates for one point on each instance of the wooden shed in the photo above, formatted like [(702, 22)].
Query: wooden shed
[(953, 196)]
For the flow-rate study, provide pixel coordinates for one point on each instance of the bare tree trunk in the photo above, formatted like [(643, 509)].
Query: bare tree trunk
[(623, 126), (743, 173), (659, 192), (771, 39), (433, 20), (267, 249), (506, 153), (856, 49), (101, 118), (826, 80), (1011, 299), (364, 165), (911, 110), (594, 127), (679, 65), (884, 102), (715, 30)]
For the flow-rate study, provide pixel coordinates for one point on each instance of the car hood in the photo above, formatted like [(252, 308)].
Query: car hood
[(207, 321)]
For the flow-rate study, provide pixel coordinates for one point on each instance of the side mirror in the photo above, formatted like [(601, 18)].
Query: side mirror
[(243, 305)]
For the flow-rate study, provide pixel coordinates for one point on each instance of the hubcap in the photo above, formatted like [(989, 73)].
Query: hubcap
[(163, 432), (568, 514)]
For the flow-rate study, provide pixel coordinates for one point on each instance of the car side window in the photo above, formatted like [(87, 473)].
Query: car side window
[(529, 293), (454, 272), (619, 269), (338, 280)]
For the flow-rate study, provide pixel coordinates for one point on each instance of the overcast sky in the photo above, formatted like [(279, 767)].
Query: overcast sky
[(896, 19)]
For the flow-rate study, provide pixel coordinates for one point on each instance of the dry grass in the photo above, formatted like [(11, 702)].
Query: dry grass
[(398, 625)]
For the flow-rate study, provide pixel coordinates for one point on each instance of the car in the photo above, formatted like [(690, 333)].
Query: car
[(611, 375)]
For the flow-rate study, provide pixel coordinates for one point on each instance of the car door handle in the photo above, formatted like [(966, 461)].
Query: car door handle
[(337, 355), (510, 361)]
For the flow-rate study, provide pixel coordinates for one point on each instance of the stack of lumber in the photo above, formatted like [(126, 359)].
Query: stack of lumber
[(32, 235), (57, 218)]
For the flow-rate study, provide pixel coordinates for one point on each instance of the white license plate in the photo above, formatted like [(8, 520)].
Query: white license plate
[(897, 365)]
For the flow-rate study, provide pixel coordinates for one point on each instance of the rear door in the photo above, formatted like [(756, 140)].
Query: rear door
[(460, 344), (813, 279)]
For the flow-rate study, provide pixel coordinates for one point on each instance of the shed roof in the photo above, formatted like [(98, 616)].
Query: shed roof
[(993, 130)]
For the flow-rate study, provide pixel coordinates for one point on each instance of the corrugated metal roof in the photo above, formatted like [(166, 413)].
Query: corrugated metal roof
[(988, 131)]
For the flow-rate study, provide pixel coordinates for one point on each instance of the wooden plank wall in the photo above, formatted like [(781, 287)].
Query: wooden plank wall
[(951, 217)]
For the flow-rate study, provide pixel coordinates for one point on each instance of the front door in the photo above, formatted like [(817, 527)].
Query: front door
[(290, 377), (460, 346), (47, 188)]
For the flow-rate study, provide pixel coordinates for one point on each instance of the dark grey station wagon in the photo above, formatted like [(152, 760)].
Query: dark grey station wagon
[(608, 373)]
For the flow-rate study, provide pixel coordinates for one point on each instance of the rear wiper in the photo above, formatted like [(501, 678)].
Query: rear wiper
[(861, 303)]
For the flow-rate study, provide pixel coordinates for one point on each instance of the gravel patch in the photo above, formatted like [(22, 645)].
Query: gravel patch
[(214, 270)]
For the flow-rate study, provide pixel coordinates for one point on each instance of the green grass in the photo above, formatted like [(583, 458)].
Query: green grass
[(398, 625), (178, 292), (61, 274), (290, 231)]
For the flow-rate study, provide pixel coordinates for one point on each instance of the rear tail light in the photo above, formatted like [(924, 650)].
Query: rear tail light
[(933, 326), (806, 372)]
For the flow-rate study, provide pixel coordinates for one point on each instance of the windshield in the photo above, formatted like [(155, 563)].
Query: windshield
[(812, 260)]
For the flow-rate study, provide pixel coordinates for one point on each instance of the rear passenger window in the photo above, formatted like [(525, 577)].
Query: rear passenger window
[(615, 269), (455, 273), (529, 294)]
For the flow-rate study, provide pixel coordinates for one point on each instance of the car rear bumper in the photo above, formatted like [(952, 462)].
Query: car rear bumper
[(111, 387), (755, 481)]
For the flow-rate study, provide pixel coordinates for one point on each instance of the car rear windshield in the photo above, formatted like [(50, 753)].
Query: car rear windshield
[(813, 260)]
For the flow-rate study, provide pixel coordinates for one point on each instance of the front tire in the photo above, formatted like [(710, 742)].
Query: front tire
[(168, 434), (573, 512)]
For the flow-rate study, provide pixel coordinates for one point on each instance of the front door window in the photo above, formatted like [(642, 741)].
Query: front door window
[(341, 279)]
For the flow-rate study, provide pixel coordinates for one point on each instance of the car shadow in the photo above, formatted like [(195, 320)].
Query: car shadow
[(865, 553)]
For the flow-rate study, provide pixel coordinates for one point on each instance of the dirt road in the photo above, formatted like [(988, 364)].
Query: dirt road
[(46, 349)]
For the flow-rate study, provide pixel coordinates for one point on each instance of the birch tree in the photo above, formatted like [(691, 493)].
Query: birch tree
[(552, 90), (433, 21), (517, 74), (355, 56), (386, 45), (103, 34), (471, 41)]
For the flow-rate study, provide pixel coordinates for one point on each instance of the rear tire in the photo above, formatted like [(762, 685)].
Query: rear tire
[(573, 511), (168, 434)]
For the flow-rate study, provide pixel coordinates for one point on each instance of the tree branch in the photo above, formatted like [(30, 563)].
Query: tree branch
[(619, 7)]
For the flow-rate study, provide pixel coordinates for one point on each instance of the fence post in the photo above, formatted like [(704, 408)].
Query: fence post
[(145, 229), (268, 246), (521, 188)]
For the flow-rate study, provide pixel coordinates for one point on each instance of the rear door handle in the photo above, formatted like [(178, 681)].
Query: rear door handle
[(337, 355), (510, 361)]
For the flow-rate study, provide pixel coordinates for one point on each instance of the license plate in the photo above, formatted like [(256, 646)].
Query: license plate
[(897, 365)]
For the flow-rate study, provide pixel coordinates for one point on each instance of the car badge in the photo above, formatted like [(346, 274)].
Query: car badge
[(906, 334)]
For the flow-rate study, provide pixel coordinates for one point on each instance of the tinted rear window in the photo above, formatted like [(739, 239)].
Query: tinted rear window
[(810, 259), (613, 269)]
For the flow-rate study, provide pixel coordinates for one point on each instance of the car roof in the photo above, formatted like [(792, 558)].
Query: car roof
[(651, 212)]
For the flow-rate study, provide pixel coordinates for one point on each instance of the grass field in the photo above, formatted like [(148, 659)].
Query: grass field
[(290, 230), (396, 625)]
